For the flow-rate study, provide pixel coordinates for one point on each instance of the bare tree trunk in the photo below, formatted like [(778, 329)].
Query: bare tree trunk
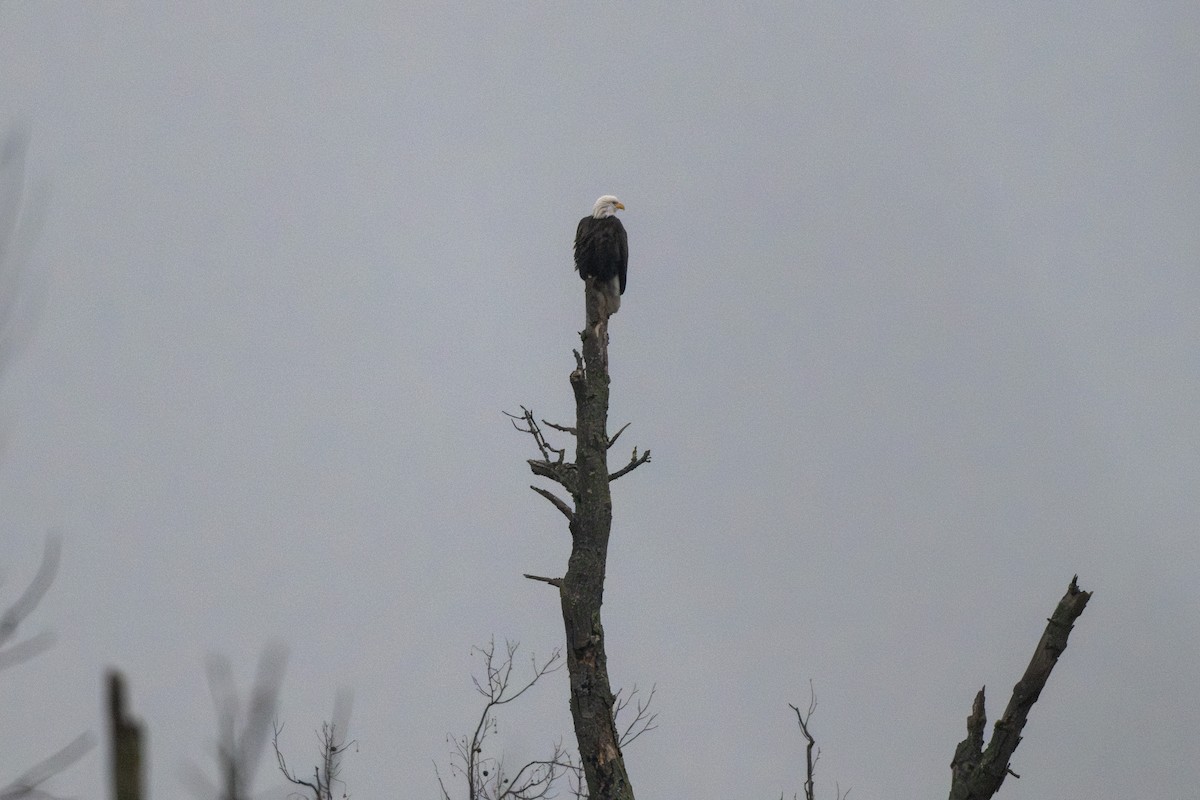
[(582, 588), (126, 735), (590, 520), (977, 773)]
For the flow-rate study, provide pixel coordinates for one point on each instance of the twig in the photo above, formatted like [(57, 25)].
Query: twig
[(643, 721), (552, 464), (613, 439), (563, 428), (26, 786), (531, 427), (634, 463), (283, 767), (486, 776)]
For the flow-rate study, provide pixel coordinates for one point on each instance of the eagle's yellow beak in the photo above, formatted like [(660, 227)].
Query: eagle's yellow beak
[(620, 205)]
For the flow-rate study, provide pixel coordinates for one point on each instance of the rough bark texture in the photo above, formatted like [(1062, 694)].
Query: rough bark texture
[(582, 589), (977, 773), (126, 736)]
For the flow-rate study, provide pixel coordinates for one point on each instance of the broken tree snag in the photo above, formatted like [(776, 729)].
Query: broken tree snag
[(126, 736), (976, 772), (582, 590)]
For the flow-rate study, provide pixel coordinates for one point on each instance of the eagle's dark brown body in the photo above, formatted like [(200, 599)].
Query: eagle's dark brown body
[(602, 253)]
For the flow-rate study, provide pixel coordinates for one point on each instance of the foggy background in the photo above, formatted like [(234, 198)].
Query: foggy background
[(911, 330)]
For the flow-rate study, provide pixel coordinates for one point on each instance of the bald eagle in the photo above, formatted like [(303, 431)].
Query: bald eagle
[(602, 251)]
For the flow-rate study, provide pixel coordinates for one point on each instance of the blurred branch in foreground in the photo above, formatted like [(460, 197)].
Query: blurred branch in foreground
[(241, 733), (19, 611), (28, 785), (21, 217)]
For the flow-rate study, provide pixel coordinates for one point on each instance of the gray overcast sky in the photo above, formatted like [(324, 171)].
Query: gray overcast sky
[(911, 329)]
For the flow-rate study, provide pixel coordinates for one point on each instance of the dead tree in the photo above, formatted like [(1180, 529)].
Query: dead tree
[(977, 772), (589, 518)]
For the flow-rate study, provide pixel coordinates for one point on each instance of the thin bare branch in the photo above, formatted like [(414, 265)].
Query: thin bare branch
[(26, 786), (534, 780), (563, 428), (280, 759), (558, 502), (487, 777), (441, 783), (21, 652), (634, 463), (557, 582), (24, 605), (22, 211), (643, 721), (809, 758), (331, 748), (613, 439), (532, 428), (553, 463)]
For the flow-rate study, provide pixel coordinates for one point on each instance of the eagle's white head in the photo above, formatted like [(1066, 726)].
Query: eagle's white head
[(606, 206)]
